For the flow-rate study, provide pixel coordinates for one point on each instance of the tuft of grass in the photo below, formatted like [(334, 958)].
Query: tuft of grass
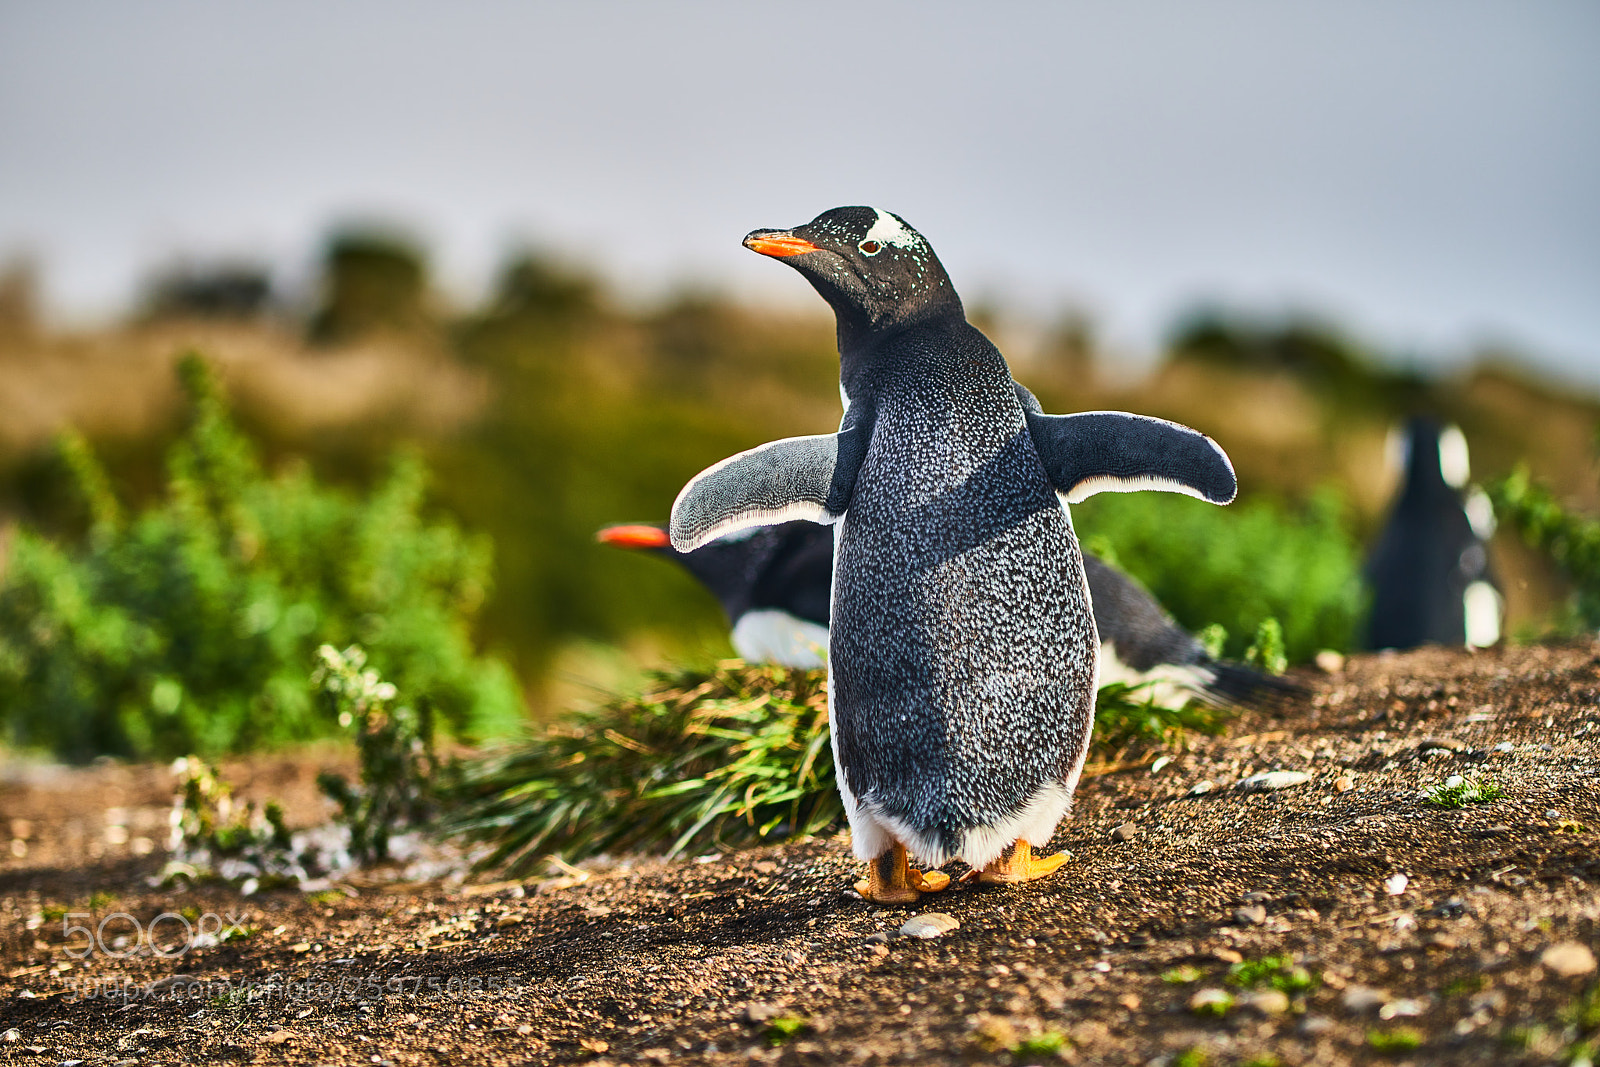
[(1396, 1040), (784, 1028), (729, 756), (1182, 975), (1278, 972), (1193, 1056), (1457, 791), (721, 757), (1046, 1043), (1127, 717)]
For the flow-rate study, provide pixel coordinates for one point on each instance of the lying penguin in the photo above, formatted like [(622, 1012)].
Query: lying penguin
[(962, 649), (773, 584), (1429, 572)]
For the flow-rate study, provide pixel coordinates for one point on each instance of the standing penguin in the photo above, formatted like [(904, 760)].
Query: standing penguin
[(962, 648), (774, 584), (1430, 570)]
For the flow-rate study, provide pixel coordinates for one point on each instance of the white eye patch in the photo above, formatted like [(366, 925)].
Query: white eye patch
[(889, 230)]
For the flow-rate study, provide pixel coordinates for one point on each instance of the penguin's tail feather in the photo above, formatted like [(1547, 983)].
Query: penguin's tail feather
[(1229, 684)]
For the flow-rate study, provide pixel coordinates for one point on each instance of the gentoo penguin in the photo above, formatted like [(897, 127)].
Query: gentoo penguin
[(1429, 573), (962, 649), (773, 583)]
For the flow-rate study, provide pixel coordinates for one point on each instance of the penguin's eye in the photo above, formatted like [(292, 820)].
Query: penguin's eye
[(869, 248)]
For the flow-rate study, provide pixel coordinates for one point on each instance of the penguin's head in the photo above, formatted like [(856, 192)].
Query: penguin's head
[(1429, 454), (869, 264)]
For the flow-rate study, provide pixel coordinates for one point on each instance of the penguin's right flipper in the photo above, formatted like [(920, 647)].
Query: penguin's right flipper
[(797, 478), (1113, 451)]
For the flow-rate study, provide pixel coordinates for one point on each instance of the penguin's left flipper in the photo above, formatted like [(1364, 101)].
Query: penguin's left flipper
[(797, 478), (1113, 451)]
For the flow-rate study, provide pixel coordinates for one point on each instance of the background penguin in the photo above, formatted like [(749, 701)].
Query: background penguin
[(962, 648), (773, 583), (1429, 573)]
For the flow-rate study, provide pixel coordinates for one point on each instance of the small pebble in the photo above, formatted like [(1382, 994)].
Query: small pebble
[(1202, 787), (1250, 915), (506, 922), (1361, 998), (12, 1035), (1569, 959), (878, 949), (1449, 744), (1312, 1025), (1329, 662), (879, 938), (1505, 746), (929, 925), (1404, 1008), (1266, 1001), (759, 1012), (1125, 832), (1227, 955), (1271, 780), (1343, 784), (1552, 814), (1395, 884)]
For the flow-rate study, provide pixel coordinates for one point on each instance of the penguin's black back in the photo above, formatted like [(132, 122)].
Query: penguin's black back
[(1131, 620), (788, 566), (962, 649)]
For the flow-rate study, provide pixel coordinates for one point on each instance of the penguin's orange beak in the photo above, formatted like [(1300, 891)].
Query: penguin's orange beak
[(633, 537), (778, 243)]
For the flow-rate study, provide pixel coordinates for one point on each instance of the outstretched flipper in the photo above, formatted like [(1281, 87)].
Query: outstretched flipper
[(1113, 451), (797, 478)]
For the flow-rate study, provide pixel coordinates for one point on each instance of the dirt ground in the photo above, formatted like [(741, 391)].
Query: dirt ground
[(1482, 953)]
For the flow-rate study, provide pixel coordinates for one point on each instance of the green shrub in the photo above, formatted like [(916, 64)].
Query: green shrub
[(188, 628), (1572, 540), (1237, 566)]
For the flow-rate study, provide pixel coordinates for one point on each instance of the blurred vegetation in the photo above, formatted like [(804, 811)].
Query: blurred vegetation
[(189, 626), (1315, 352), (571, 411), (1572, 541), (373, 281), (219, 290)]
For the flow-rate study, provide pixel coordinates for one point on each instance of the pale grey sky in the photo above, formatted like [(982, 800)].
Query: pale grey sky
[(1427, 171)]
